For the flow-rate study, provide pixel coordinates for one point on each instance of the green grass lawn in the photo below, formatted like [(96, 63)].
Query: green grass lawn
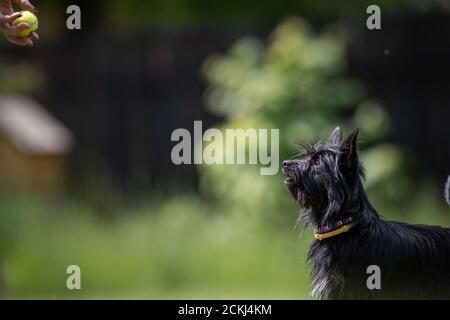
[(178, 249)]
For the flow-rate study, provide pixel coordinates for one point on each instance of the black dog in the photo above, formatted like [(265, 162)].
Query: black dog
[(413, 260)]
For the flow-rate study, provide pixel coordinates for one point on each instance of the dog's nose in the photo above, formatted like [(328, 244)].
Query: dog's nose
[(286, 163)]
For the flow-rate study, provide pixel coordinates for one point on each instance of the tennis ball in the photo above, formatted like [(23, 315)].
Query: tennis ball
[(29, 18)]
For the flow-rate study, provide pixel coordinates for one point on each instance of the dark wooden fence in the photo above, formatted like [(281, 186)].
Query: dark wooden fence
[(123, 96), (407, 66)]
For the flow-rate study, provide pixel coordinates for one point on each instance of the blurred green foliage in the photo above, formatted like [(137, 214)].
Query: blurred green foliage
[(22, 78), (296, 82)]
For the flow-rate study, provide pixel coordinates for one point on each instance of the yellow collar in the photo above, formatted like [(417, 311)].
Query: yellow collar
[(334, 229)]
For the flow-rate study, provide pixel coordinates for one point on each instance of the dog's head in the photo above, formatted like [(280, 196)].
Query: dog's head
[(326, 176)]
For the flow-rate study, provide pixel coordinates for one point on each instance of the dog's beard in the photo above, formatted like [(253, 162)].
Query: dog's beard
[(297, 191), (301, 197)]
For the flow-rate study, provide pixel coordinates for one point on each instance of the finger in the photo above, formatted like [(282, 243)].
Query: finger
[(20, 41), (15, 30), (25, 5), (33, 36), (10, 18), (22, 26), (8, 29)]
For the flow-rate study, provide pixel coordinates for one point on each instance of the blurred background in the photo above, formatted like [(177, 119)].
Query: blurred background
[(86, 118)]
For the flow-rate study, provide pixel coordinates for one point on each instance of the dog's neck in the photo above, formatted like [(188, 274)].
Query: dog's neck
[(357, 206)]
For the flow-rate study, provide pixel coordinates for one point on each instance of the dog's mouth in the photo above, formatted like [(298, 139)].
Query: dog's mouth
[(291, 181), (290, 178)]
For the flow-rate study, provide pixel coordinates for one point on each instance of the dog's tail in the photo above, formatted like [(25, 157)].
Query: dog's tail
[(447, 190)]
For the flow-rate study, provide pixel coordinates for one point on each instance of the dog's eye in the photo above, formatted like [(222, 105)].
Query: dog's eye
[(316, 162)]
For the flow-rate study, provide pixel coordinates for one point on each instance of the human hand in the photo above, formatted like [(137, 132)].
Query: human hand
[(8, 16)]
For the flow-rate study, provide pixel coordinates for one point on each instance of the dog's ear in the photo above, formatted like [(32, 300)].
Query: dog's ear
[(349, 157), (335, 136)]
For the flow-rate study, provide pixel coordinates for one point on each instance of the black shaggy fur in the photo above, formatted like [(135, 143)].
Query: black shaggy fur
[(414, 259)]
